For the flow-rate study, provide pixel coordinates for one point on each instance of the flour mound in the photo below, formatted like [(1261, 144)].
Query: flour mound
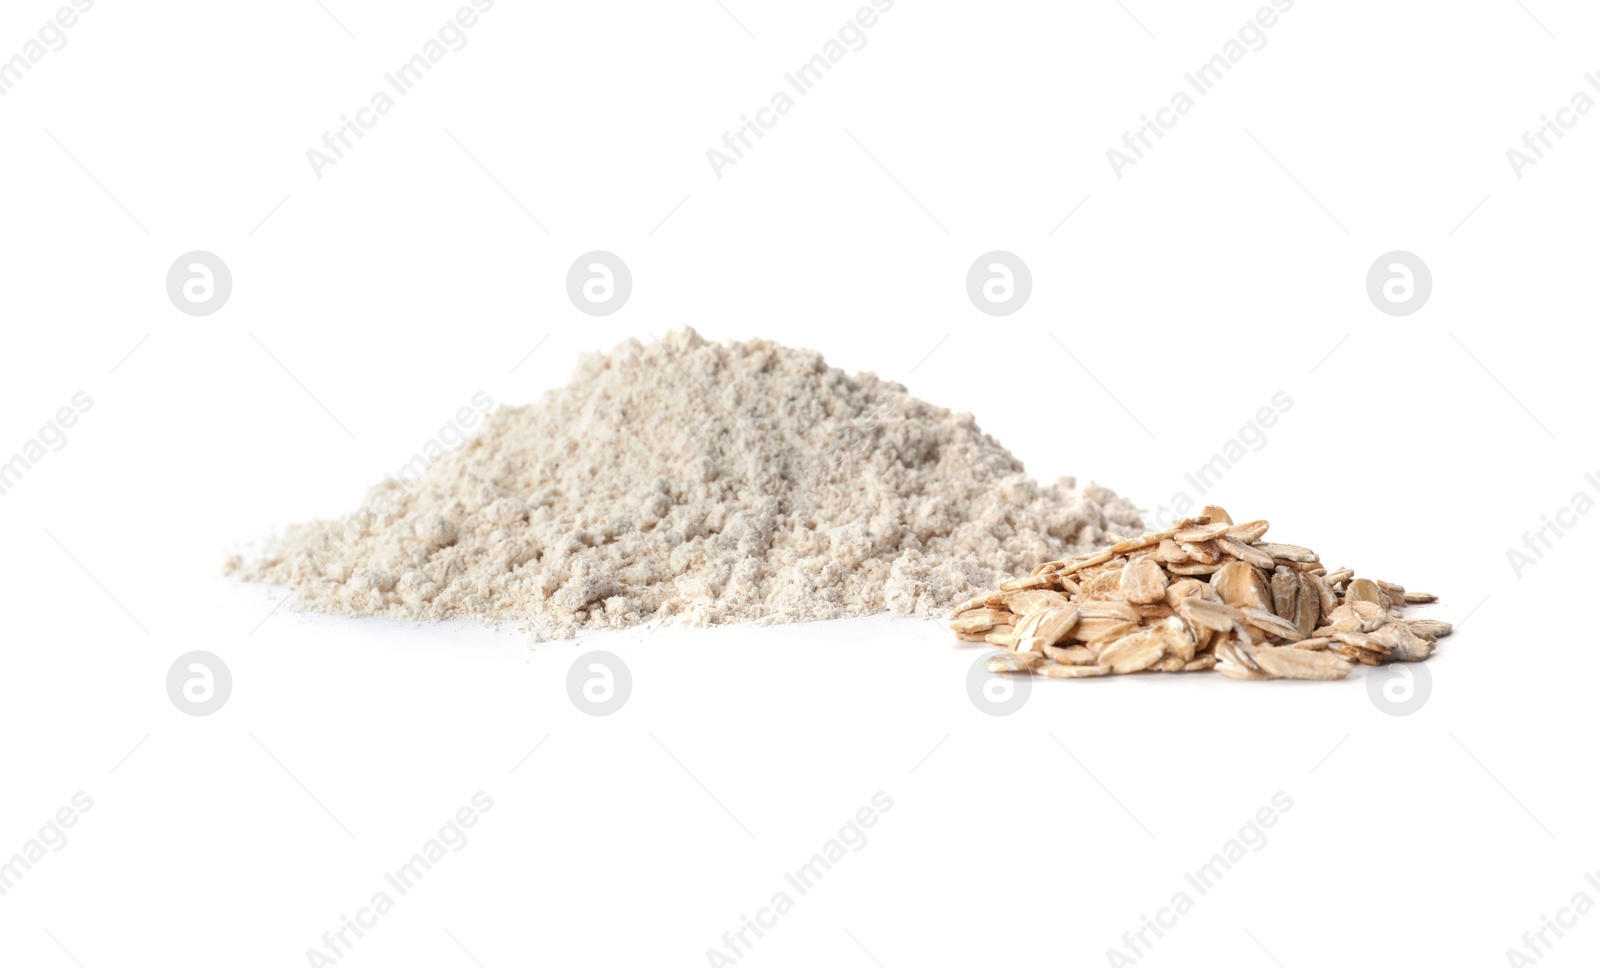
[(696, 483)]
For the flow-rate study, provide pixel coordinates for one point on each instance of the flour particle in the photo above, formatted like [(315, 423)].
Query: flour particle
[(696, 483)]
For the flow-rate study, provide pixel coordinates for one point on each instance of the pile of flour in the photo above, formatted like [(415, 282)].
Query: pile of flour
[(696, 483)]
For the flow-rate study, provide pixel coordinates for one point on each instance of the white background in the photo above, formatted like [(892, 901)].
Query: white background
[(374, 301)]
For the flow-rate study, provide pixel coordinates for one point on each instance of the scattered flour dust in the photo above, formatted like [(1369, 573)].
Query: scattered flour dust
[(696, 483)]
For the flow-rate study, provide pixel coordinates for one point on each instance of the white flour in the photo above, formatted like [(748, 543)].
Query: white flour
[(697, 483)]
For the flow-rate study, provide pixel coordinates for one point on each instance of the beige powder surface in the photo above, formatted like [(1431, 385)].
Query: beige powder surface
[(694, 482)]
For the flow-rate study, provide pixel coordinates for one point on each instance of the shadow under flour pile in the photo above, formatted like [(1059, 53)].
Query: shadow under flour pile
[(697, 483)]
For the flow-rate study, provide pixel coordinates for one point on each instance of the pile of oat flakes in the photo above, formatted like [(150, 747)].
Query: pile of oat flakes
[(1205, 594)]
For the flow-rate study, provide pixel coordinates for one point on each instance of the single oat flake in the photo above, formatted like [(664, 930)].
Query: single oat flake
[(1206, 594)]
